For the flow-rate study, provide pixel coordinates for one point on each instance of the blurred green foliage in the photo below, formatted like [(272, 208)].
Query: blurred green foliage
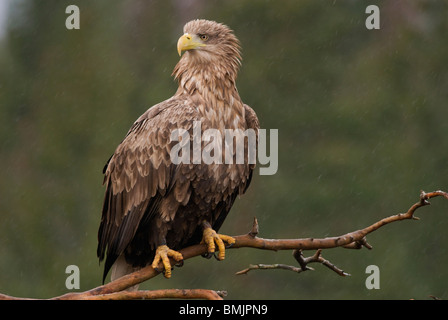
[(362, 118)]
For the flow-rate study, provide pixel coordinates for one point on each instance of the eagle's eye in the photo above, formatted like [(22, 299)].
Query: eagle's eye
[(203, 37)]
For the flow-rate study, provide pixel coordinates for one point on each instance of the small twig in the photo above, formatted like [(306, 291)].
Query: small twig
[(254, 232), (270, 266), (358, 244), (303, 262), (317, 257)]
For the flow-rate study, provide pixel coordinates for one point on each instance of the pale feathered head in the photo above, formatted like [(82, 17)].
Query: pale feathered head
[(208, 45)]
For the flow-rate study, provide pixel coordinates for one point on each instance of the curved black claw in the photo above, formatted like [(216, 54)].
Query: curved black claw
[(208, 255), (180, 263), (158, 270), (230, 245)]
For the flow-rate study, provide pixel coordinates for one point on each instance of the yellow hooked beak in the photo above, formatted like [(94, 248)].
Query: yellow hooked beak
[(188, 42)]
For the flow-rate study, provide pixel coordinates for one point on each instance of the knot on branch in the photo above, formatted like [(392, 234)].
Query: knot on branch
[(254, 231)]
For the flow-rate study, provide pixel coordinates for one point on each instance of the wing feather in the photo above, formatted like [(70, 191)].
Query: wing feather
[(139, 174)]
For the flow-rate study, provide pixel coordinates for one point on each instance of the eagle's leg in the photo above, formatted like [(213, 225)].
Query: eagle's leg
[(163, 253), (213, 239)]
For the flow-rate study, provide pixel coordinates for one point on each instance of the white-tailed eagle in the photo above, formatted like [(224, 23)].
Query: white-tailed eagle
[(154, 207)]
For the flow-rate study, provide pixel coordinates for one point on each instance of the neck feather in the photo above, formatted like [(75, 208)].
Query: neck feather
[(211, 87)]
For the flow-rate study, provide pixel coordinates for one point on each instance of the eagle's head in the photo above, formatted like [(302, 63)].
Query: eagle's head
[(209, 45)]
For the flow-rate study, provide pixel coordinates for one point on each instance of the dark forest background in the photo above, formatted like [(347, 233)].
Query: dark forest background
[(362, 118)]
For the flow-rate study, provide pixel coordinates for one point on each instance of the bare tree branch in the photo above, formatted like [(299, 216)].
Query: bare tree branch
[(353, 240), (161, 294), (140, 294)]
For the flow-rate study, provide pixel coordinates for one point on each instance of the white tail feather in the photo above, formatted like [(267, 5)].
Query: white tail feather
[(121, 268)]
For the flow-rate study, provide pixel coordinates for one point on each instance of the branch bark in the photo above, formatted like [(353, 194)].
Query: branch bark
[(353, 240), (140, 294), (161, 294)]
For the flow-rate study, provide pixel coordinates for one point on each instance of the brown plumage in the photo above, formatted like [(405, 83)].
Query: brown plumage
[(150, 201)]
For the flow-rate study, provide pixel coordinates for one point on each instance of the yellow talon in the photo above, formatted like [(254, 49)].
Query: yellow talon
[(163, 253), (213, 239)]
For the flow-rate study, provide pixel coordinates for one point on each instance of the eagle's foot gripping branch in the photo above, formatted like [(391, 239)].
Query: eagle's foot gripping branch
[(163, 253), (212, 239)]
